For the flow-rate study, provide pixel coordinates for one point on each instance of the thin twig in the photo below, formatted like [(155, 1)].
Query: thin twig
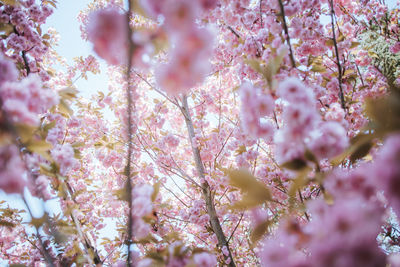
[(237, 225), (359, 73), (154, 88), (341, 95), (302, 201), (234, 32), (285, 28), (261, 19), (44, 250)]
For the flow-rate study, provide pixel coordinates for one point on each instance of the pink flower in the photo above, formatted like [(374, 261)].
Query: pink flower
[(107, 30), (144, 190), (140, 228), (330, 140), (24, 100), (208, 4), (8, 71), (182, 73), (198, 42), (171, 140), (387, 171), (348, 230), (294, 91), (256, 105), (41, 185), (180, 15), (259, 215), (299, 121), (335, 113), (142, 206), (152, 7), (204, 259), (356, 182), (225, 251), (280, 249), (191, 48), (63, 155), (18, 112), (11, 170), (287, 151), (395, 48)]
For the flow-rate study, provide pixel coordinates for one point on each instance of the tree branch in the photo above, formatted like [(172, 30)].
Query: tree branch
[(341, 95), (285, 28), (207, 194)]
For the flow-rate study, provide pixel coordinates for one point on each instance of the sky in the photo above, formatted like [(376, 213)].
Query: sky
[(71, 45), (64, 20)]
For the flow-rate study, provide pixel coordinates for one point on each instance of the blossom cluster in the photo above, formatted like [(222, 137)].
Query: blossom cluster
[(303, 127), (355, 218), (24, 100), (11, 170), (141, 206), (26, 44), (63, 155), (255, 106), (190, 47), (108, 32)]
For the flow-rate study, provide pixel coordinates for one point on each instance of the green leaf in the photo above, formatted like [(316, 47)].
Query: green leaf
[(64, 108), (255, 192), (156, 187), (255, 64), (6, 223), (68, 93), (318, 68), (354, 44), (121, 194), (6, 28), (341, 38), (384, 112), (40, 147), (38, 222), (295, 164), (274, 65), (298, 183), (361, 151), (329, 42), (311, 157), (259, 231), (78, 144), (10, 2), (49, 126), (240, 150), (25, 131)]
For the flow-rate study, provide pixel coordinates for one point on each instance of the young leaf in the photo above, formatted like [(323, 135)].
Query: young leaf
[(255, 192)]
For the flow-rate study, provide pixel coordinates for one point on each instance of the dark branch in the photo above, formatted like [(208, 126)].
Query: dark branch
[(285, 28), (341, 95)]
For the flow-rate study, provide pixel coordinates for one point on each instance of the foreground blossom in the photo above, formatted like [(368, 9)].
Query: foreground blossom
[(24, 100), (11, 170), (108, 32)]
